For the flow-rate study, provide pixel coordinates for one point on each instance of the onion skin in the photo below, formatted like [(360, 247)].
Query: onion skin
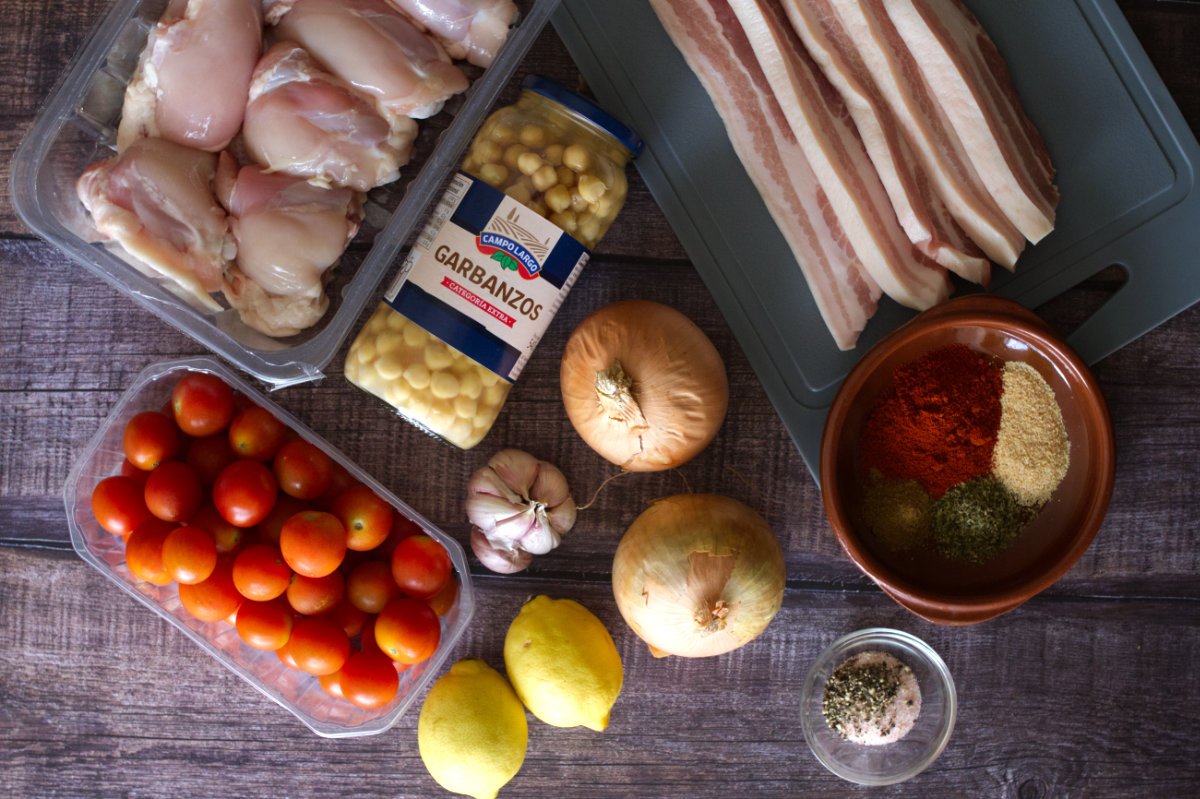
[(643, 385), (698, 575)]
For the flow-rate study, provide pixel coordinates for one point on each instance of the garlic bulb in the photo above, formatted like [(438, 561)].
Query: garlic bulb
[(518, 504)]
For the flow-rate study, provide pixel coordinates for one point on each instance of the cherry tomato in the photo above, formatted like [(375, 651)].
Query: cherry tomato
[(144, 551), (313, 543), (338, 482), (370, 586), (319, 645), (408, 631), (244, 493), (444, 601), (284, 653), (214, 599), (348, 617), (260, 573), (353, 559), (402, 528), (150, 439), (420, 566), (226, 536), (209, 456), (369, 680), (272, 524), (202, 403), (119, 505), (173, 492), (314, 596), (135, 474), (256, 434), (366, 639), (303, 471), (265, 625), (189, 555), (332, 683), (366, 517)]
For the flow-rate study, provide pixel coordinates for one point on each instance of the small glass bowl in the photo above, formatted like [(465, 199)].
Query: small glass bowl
[(888, 763)]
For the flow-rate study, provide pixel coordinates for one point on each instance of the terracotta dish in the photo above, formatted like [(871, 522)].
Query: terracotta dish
[(949, 592)]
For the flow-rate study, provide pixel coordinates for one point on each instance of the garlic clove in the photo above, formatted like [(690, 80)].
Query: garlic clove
[(516, 469), (495, 559), (488, 481), (540, 537), (490, 513), (562, 516), (550, 486)]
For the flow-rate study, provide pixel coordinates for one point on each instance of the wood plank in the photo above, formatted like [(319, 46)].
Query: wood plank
[(1049, 704), (1168, 31)]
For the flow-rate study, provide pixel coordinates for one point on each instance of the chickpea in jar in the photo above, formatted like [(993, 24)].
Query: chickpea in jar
[(539, 153), (554, 153)]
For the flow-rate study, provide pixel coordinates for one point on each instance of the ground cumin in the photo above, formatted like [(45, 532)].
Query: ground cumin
[(897, 511)]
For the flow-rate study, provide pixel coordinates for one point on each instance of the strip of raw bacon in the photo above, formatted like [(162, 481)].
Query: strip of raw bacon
[(865, 27), (716, 49), (955, 54), (823, 127), (919, 210)]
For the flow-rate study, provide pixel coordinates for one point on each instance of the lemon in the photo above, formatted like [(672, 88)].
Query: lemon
[(472, 731), (563, 663)]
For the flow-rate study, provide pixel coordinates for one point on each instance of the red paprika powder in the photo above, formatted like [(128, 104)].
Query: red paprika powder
[(937, 424)]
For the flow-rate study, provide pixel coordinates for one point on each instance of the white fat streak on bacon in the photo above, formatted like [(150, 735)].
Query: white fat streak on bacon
[(827, 135), (716, 49), (865, 26), (921, 213), (956, 55), (958, 252)]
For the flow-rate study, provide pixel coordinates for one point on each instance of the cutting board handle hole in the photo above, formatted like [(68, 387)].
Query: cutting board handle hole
[(1077, 304)]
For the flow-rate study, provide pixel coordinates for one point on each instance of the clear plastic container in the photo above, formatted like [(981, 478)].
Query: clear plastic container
[(542, 183), (296, 691), (77, 127)]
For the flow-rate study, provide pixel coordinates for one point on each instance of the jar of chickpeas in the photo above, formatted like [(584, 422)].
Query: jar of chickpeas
[(543, 181)]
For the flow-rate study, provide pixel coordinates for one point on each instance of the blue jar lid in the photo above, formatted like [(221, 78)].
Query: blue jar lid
[(560, 94)]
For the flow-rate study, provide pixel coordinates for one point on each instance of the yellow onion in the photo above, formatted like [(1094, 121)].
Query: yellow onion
[(643, 386), (698, 575)]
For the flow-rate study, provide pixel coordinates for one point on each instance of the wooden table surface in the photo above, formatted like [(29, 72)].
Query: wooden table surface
[(1091, 689)]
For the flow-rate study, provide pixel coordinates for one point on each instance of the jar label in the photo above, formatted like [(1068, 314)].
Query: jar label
[(487, 275)]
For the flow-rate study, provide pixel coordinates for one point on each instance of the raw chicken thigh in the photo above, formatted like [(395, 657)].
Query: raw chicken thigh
[(156, 200), (470, 29), (194, 74), (376, 50), (303, 121), (289, 233)]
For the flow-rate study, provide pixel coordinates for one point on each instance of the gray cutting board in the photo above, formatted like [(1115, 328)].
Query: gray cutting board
[(1126, 163)]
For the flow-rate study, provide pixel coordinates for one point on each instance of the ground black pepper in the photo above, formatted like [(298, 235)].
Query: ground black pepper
[(871, 698)]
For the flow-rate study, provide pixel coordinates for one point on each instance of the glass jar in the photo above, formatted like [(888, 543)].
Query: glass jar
[(540, 186)]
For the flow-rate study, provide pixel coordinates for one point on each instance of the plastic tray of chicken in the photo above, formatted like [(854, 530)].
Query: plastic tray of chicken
[(249, 172)]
